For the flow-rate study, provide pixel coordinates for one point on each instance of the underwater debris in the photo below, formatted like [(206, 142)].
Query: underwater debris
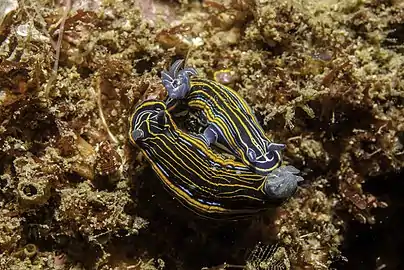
[(151, 264), (268, 257), (26, 30), (262, 257)]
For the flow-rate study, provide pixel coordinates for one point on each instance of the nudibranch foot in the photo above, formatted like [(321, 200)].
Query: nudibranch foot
[(210, 135)]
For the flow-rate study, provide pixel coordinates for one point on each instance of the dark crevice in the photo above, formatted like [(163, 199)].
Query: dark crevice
[(377, 246)]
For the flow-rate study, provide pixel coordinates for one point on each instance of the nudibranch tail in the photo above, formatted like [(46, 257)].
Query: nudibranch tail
[(176, 80), (282, 182)]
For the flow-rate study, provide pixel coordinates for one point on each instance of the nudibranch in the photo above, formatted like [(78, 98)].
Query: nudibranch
[(202, 180)]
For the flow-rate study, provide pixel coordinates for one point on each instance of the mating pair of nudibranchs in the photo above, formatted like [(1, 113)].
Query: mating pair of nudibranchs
[(202, 179)]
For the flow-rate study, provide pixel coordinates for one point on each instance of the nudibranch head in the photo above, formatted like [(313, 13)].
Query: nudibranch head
[(148, 118)]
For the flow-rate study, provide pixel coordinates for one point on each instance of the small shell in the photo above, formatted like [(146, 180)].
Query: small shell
[(108, 160), (85, 166)]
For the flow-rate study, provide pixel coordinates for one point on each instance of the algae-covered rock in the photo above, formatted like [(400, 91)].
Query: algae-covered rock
[(323, 77), (10, 232)]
